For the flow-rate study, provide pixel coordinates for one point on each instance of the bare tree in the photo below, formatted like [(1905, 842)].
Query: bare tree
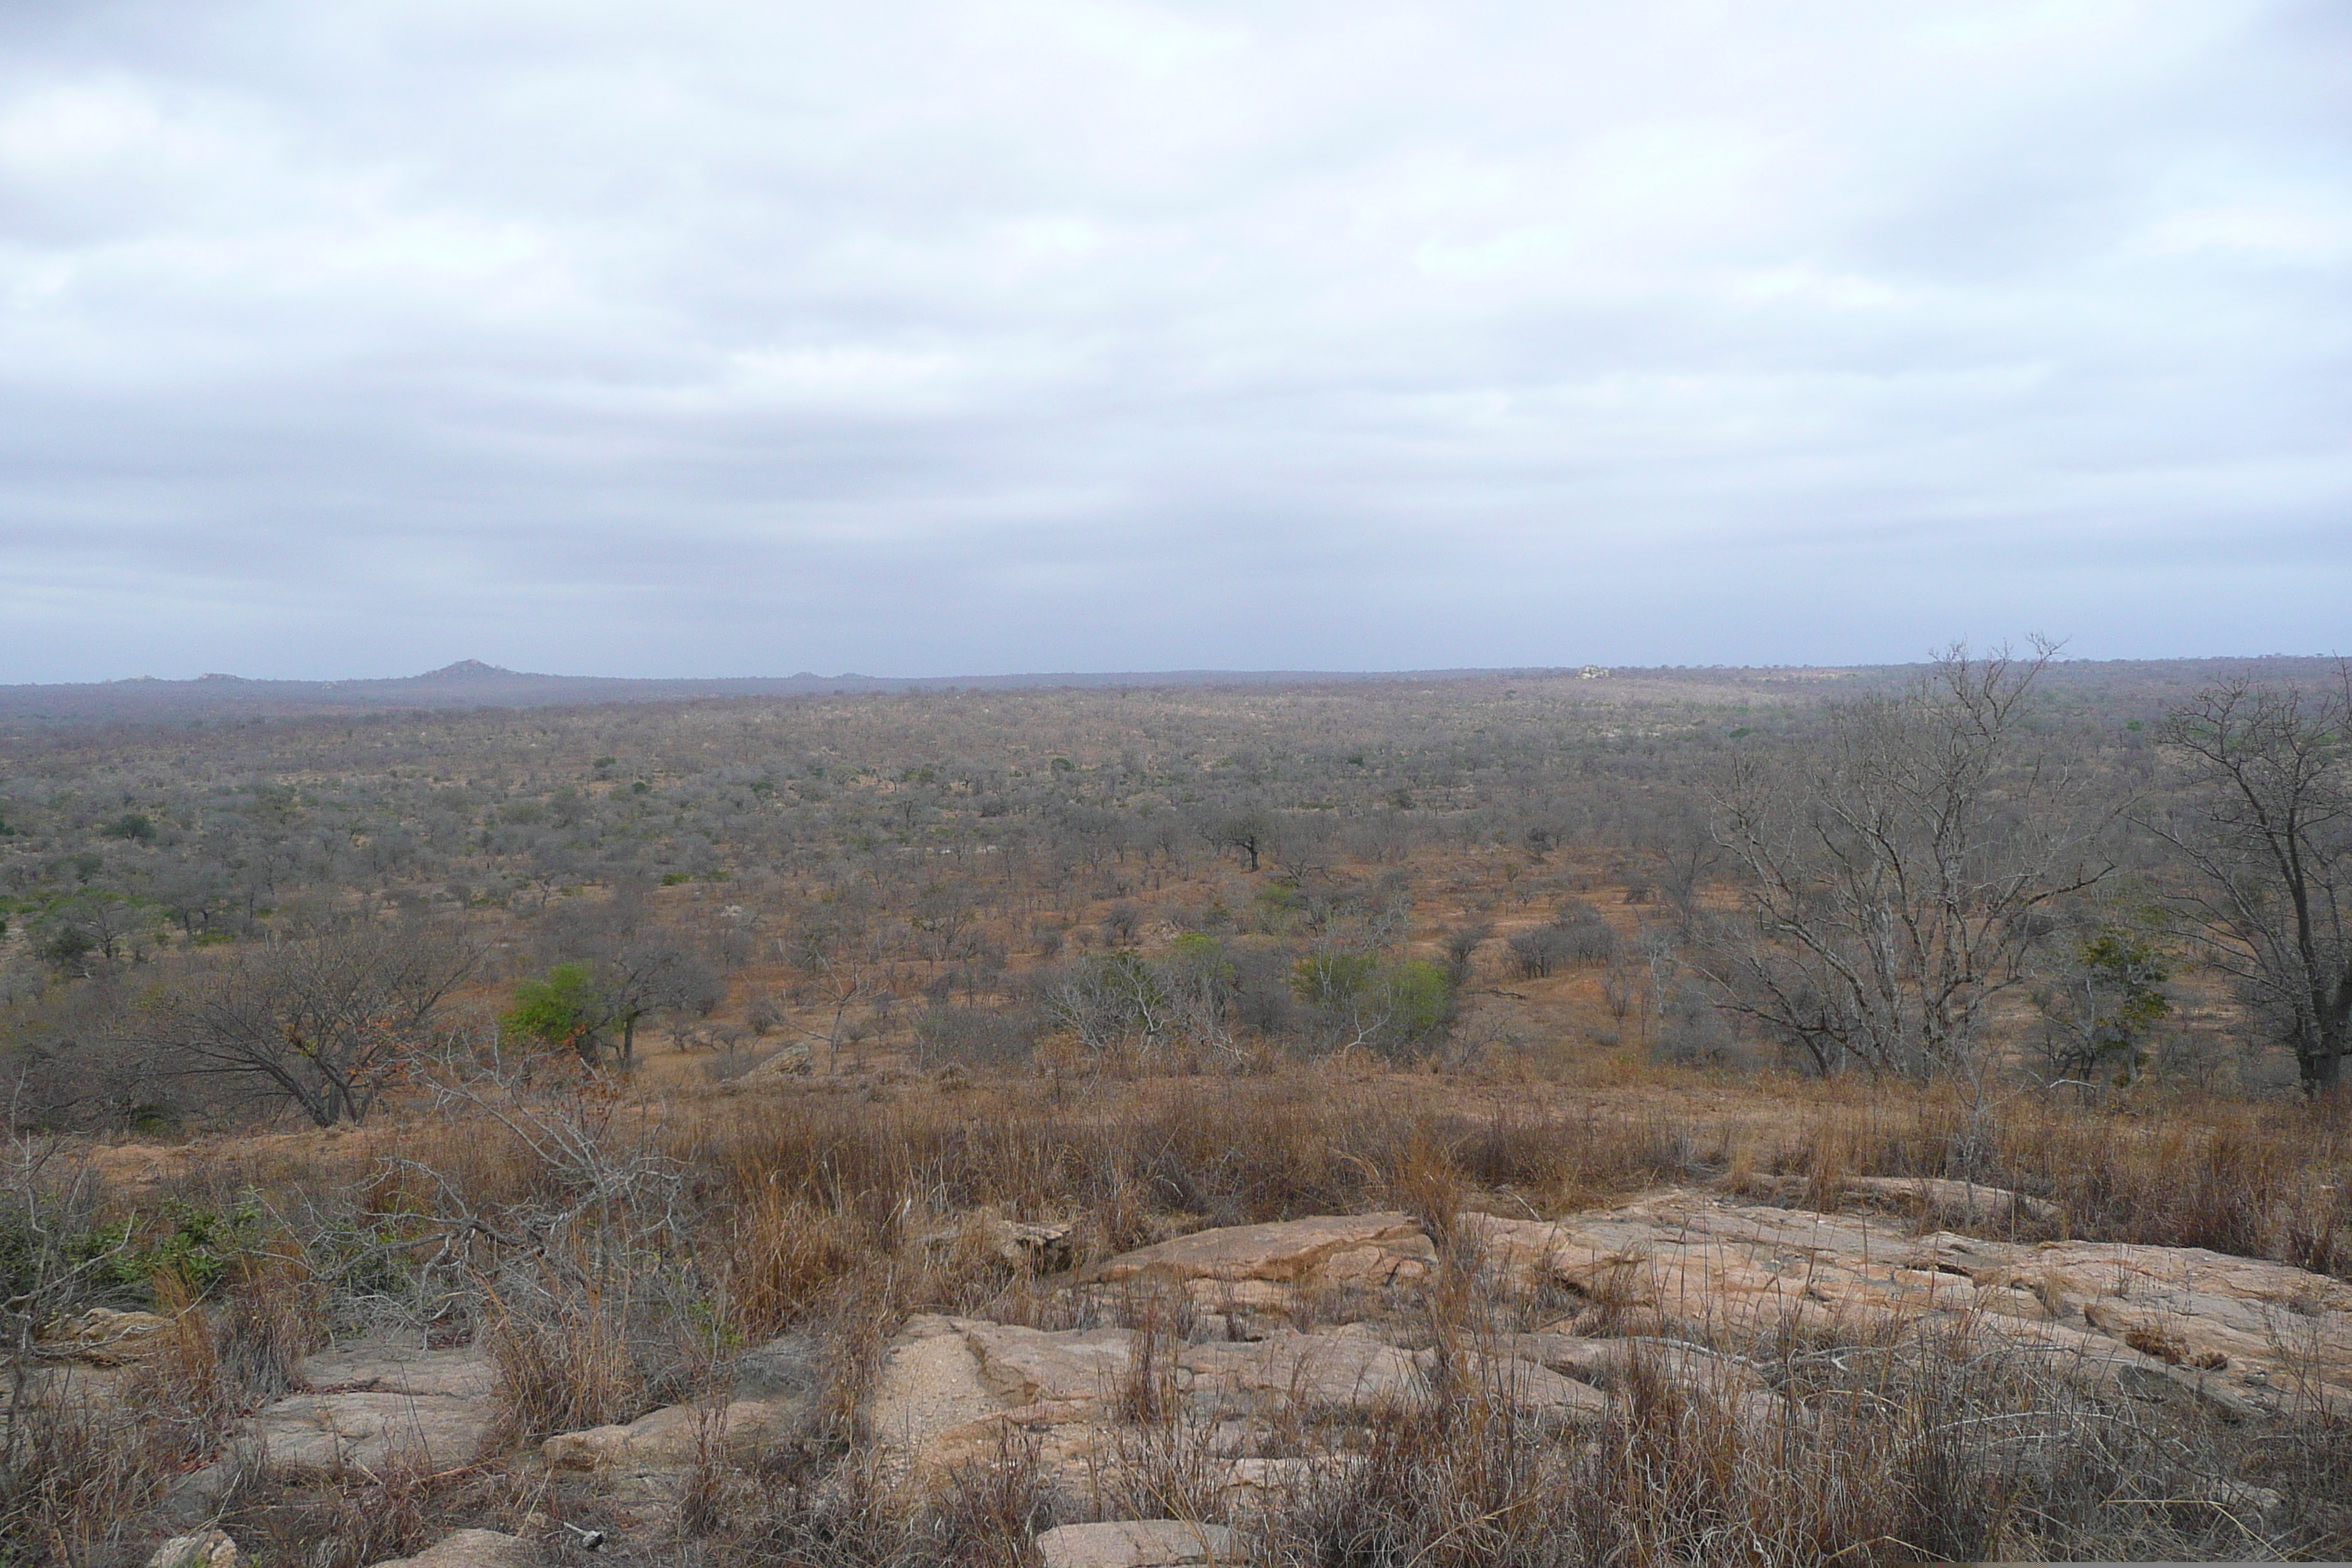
[(327, 1021), (1248, 832), (639, 967), (2270, 839), (91, 929), (1896, 885), (841, 966), (648, 973), (1113, 1001), (48, 1188)]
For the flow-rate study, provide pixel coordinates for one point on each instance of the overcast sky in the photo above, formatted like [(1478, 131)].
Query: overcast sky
[(352, 339)]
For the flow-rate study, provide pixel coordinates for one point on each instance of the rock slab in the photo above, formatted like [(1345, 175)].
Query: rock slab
[(472, 1549), (374, 1405), (205, 1548), (1138, 1544), (102, 1336), (1326, 1250), (2246, 1336)]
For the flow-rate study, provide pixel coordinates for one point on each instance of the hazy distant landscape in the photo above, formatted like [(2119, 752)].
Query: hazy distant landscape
[(469, 683), (610, 1071)]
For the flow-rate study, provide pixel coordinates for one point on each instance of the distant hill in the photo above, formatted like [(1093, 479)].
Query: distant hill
[(470, 683)]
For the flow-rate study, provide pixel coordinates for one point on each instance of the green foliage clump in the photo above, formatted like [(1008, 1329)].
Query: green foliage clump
[(121, 1259), (562, 1008), (133, 826), (1355, 999), (2105, 1003), (196, 1245)]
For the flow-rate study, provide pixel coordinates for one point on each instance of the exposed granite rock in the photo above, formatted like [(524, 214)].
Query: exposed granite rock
[(473, 1548), (205, 1548), (1315, 1372), (1371, 1251), (2247, 1336), (1138, 1544), (102, 1336)]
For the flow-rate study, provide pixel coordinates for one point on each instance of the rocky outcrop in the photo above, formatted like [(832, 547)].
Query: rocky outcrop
[(954, 1392), (1259, 1264), (1675, 1286), (1286, 1371), (1023, 1367), (372, 1405), (1263, 1410), (1522, 1381), (1939, 1198), (2247, 1336), (928, 1385), (772, 1404)]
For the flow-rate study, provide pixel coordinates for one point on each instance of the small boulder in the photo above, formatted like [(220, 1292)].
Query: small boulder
[(472, 1549), (205, 1548), (1257, 1264), (1032, 1247), (1138, 1544), (670, 1439), (103, 1336), (368, 1431), (372, 1404), (1027, 1246), (795, 1060)]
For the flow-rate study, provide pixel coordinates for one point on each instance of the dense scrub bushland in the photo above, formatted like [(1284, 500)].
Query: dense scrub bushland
[(1203, 875)]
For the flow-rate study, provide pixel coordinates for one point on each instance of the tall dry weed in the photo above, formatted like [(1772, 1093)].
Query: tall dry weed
[(563, 1357)]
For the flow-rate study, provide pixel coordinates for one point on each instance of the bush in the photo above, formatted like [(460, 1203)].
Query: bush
[(1354, 999), (133, 826), (1579, 935), (1535, 953), (974, 1036), (564, 1009)]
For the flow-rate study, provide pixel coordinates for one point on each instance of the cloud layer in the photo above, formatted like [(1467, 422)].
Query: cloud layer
[(945, 338)]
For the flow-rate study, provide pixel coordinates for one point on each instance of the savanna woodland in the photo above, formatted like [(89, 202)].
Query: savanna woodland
[(1609, 1117)]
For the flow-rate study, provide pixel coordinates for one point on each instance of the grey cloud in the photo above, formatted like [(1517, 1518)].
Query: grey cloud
[(924, 339)]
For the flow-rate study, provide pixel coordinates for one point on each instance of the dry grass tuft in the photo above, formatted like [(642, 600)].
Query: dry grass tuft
[(563, 1357)]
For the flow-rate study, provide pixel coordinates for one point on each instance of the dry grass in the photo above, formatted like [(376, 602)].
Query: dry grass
[(1926, 1450), (728, 1219), (78, 1477)]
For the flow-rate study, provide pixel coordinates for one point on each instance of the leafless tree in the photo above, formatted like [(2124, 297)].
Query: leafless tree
[(2270, 840), (650, 971), (1116, 1001), (1896, 884), (327, 1021), (1248, 832)]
